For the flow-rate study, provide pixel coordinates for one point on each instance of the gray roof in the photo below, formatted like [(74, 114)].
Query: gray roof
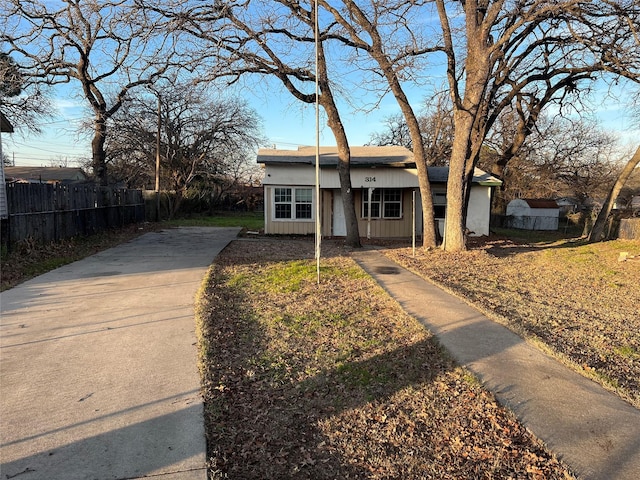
[(360, 156), (45, 174), (370, 156)]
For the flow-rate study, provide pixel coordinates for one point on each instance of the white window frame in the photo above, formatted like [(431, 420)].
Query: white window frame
[(380, 201), (292, 202)]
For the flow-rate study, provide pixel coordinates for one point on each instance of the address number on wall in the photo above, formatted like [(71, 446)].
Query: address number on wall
[(369, 179)]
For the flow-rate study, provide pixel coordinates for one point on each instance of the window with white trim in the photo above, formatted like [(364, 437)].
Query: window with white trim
[(293, 203), (384, 203)]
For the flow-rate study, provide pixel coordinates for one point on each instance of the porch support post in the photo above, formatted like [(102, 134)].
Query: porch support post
[(370, 192)]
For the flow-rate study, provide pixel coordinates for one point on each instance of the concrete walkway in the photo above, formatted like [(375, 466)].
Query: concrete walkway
[(98, 364), (592, 430)]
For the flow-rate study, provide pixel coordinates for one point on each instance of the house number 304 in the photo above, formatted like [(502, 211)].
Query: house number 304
[(369, 179)]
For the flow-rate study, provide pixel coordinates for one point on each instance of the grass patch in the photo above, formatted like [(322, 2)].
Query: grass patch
[(335, 381), (253, 221), (539, 236), (628, 351)]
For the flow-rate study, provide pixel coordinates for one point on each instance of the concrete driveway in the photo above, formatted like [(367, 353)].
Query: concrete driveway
[(98, 364)]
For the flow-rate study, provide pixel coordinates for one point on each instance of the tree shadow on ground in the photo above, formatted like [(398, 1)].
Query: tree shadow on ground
[(403, 412), (506, 247)]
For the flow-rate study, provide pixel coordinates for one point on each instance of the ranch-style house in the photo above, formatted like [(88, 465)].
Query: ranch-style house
[(384, 180)]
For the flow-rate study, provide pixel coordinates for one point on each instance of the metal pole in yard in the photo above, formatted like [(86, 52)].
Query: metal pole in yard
[(318, 224), (413, 221)]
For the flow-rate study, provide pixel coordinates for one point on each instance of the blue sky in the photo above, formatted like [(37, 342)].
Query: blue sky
[(287, 123)]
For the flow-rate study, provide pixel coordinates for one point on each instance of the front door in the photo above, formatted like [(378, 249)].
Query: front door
[(339, 226)]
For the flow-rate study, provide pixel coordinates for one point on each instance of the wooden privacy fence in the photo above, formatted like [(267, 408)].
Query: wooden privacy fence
[(50, 212), (629, 229)]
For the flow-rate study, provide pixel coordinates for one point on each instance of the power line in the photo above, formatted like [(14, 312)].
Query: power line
[(63, 121), (65, 152)]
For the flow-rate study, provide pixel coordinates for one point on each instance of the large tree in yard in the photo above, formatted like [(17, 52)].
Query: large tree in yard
[(629, 18), (533, 52), (205, 140), (598, 230), (498, 55), (561, 157), (383, 30), (106, 47), (275, 39)]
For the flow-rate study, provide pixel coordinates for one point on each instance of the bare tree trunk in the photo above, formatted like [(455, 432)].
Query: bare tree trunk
[(344, 168), (467, 109), (344, 152), (99, 156), (597, 232), (454, 238), (377, 51), (429, 239)]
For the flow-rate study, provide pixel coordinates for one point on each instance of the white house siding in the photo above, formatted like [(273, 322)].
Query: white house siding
[(326, 211), (5, 126), (4, 208), (372, 177), (363, 178), (290, 175), (284, 227), (479, 211), (337, 220), (329, 179), (518, 208)]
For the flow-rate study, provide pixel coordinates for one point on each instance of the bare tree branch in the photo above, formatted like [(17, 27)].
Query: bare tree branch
[(108, 47)]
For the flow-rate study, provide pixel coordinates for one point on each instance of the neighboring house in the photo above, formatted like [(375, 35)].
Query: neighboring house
[(5, 127), (533, 214), (45, 174), (384, 180)]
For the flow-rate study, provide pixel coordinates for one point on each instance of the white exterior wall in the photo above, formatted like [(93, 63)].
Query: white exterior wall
[(518, 208), (373, 177), (289, 175), (360, 177), (4, 208), (479, 213), (478, 217)]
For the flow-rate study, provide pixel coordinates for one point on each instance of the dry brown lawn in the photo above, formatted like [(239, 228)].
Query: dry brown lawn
[(574, 298), (335, 381)]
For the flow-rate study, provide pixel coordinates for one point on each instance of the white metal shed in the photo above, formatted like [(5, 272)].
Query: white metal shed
[(533, 214)]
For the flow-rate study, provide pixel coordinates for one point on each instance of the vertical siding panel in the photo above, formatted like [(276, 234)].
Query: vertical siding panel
[(326, 212), (268, 223)]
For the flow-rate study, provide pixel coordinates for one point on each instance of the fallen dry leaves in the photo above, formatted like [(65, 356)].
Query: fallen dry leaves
[(335, 381), (28, 258), (576, 298)]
